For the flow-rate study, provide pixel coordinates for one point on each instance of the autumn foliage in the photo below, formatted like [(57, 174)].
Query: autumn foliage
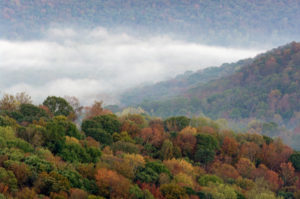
[(43, 155)]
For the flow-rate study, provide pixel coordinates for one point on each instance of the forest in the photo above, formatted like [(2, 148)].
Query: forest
[(262, 93), (178, 85), (228, 23), (266, 87), (230, 131), (60, 149)]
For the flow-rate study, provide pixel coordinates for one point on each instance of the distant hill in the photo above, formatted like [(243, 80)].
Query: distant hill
[(180, 84), (212, 22), (267, 88)]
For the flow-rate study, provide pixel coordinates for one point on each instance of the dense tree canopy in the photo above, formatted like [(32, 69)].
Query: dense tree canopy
[(48, 156)]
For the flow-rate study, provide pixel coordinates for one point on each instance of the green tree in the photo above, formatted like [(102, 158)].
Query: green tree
[(75, 179), (207, 142), (205, 156), (8, 178), (100, 135), (38, 165), (54, 137), (74, 153), (101, 128), (90, 124), (147, 175), (58, 106), (31, 112), (136, 192), (150, 173), (69, 128), (158, 167), (109, 123), (295, 159), (56, 130)]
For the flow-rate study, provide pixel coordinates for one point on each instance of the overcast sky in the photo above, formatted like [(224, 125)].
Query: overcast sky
[(97, 64)]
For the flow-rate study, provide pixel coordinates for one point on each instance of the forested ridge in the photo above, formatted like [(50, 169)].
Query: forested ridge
[(60, 149), (264, 89), (212, 22), (180, 84)]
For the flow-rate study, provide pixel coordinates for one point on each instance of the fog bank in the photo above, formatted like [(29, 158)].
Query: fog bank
[(97, 64)]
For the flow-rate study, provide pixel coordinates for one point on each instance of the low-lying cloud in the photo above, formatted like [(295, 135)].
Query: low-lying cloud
[(97, 64)]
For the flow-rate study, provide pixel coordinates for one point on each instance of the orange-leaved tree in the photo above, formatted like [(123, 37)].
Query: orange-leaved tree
[(111, 184)]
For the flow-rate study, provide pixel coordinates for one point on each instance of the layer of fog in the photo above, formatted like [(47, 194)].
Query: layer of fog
[(97, 64)]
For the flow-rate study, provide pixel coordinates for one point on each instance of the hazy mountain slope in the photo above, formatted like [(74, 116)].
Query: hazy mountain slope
[(178, 85), (215, 22), (267, 89)]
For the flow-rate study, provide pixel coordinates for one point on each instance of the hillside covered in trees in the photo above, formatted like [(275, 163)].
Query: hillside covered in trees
[(212, 22), (267, 88), (46, 153), (180, 84)]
